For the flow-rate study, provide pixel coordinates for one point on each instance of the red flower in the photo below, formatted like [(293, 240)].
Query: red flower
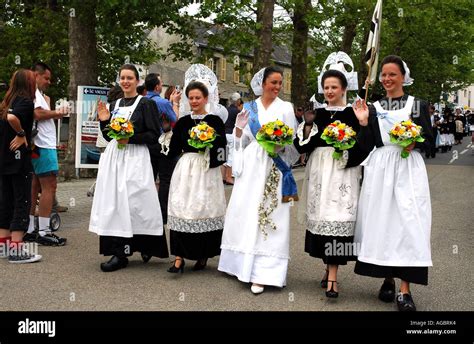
[(341, 135), (278, 132)]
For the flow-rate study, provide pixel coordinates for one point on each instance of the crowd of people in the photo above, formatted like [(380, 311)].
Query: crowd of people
[(384, 221)]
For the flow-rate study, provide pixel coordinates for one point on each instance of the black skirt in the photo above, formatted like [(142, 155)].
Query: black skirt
[(151, 245), (411, 274), (335, 250), (196, 246)]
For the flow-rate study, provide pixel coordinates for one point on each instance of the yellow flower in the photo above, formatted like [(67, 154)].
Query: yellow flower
[(279, 123), (341, 126), (269, 131), (203, 137), (290, 131), (193, 134), (201, 127)]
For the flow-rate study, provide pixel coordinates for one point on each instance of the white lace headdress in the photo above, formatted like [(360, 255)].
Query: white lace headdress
[(201, 73), (337, 61), (407, 81), (257, 82)]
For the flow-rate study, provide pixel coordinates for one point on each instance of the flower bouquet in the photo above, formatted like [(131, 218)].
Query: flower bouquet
[(120, 128), (404, 134), (273, 135), (202, 136), (340, 136)]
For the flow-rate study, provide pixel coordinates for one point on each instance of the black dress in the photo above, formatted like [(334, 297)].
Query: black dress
[(333, 191), (146, 125), (197, 203)]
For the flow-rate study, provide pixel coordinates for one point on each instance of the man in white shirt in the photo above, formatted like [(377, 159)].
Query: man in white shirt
[(44, 159)]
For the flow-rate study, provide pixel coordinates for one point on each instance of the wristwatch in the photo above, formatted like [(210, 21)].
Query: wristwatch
[(21, 133)]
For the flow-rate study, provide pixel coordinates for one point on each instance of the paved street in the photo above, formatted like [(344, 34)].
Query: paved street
[(69, 278)]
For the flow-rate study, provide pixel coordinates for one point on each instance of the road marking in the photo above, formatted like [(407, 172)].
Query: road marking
[(464, 151), (455, 157)]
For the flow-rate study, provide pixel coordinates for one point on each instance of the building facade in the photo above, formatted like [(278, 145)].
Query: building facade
[(233, 72)]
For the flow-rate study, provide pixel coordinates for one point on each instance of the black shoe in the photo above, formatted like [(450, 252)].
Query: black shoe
[(146, 257), (30, 237), (200, 265), (173, 269), (115, 263), (324, 281), (331, 293), (405, 303), (387, 291), (50, 239)]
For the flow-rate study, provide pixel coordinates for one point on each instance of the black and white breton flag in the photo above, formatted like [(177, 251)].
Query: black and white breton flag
[(373, 44)]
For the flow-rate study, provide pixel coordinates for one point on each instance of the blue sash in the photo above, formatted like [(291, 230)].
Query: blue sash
[(289, 191)]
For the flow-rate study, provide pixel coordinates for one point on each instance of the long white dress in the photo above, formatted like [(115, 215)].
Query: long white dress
[(394, 216), (125, 200), (246, 253)]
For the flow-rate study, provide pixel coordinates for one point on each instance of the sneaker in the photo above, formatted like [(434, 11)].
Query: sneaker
[(24, 258), (30, 237), (51, 239)]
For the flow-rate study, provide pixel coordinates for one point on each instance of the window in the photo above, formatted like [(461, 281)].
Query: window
[(223, 68), (242, 76), (236, 74), (218, 65)]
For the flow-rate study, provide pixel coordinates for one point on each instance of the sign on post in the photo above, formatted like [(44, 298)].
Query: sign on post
[(88, 125)]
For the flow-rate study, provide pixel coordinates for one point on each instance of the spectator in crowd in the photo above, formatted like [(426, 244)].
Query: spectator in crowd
[(45, 160), (16, 123), (162, 166), (234, 108)]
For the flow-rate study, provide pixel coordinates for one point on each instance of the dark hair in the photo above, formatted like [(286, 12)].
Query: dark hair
[(394, 59), (333, 73), (269, 71), (168, 92), (114, 93), (22, 84), (151, 81), (129, 66), (40, 67), (196, 85), (140, 89)]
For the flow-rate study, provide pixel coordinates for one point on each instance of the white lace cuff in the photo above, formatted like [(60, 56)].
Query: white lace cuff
[(342, 162), (300, 133)]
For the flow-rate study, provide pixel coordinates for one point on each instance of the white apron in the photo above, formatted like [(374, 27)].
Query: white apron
[(394, 216), (197, 201), (125, 200)]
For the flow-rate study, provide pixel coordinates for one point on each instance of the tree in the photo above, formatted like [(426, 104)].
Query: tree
[(263, 49), (83, 66), (34, 31), (422, 32), (301, 14)]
